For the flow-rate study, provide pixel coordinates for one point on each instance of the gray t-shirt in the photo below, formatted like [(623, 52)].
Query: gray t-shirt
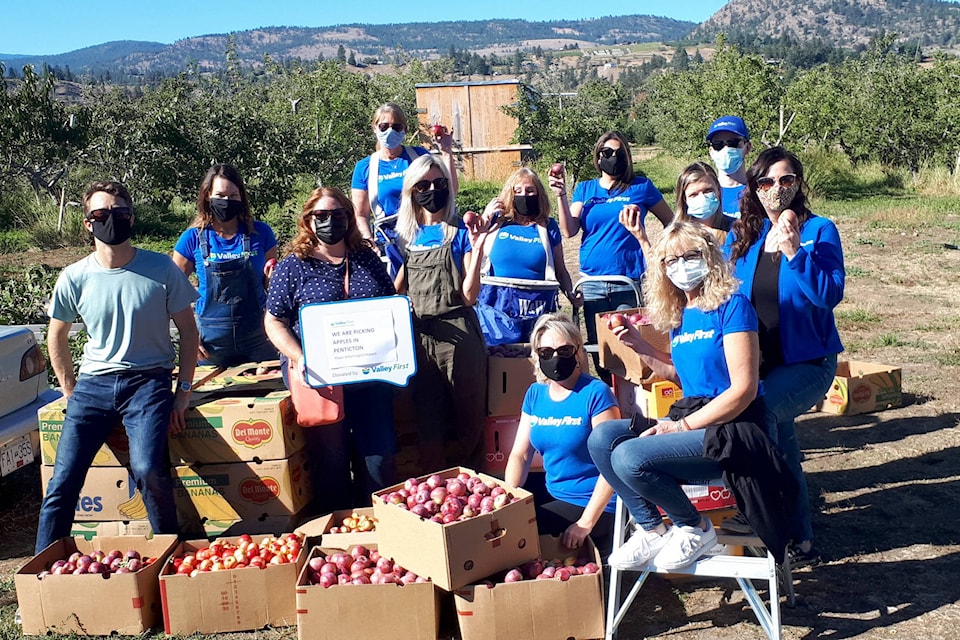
[(126, 311)]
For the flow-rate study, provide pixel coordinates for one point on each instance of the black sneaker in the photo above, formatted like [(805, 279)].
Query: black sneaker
[(799, 558), (736, 523)]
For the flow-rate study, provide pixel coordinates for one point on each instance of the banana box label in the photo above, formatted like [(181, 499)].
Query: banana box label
[(238, 429), (109, 493), (863, 387), (115, 453)]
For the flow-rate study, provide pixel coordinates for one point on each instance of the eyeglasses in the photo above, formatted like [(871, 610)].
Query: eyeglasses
[(686, 256), (717, 145), (321, 215), (606, 152), (100, 215), (565, 351), (786, 181), (396, 126), (424, 185)]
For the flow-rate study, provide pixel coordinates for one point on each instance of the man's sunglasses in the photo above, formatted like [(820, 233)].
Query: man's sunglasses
[(565, 351), (321, 215), (424, 185), (100, 215), (786, 181), (396, 126), (717, 145)]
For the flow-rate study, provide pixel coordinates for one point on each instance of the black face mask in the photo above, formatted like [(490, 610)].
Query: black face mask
[(527, 205), (433, 200), (224, 209), (113, 230), (332, 230), (615, 165), (558, 368)]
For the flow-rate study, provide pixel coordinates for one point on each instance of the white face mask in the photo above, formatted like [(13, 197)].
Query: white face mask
[(728, 159), (390, 139), (703, 205), (687, 275)]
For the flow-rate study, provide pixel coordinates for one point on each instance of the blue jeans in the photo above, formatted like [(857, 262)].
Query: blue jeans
[(790, 390), (142, 399), (647, 472), (597, 298), (230, 343)]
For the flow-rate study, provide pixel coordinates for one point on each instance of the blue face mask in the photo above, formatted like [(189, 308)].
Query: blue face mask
[(727, 160), (703, 206), (390, 139)]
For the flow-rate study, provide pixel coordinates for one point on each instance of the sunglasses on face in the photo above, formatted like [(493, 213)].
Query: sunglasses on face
[(321, 215), (733, 143), (396, 126), (786, 181), (565, 351), (100, 215), (686, 256), (424, 185), (607, 152)]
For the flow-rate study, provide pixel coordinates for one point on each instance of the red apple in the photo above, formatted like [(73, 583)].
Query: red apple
[(513, 575), (557, 170)]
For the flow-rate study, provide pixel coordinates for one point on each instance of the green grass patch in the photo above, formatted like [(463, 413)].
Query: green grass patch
[(856, 272), (857, 315), (948, 358)]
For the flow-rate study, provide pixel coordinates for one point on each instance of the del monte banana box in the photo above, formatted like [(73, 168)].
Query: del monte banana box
[(115, 453), (238, 429), (863, 387)]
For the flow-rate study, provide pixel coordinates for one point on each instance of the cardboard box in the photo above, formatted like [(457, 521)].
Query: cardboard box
[(620, 359), (271, 525), (534, 609), (242, 490), (369, 611), (240, 380), (863, 387), (239, 429), (508, 380), (225, 601), (115, 453), (456, 554), (498, 436), (126, 604), (347, 540), (109, 493), (651, 399), (89, 530)]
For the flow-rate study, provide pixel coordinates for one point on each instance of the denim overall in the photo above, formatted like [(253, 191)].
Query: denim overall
[(449, 388), (231, 328)]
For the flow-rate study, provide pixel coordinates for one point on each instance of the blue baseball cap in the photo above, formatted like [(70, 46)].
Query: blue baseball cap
[(733, 124)]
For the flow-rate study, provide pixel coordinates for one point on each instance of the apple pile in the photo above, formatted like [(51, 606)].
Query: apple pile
[(450, 500), (114, 561), (355, 523), (358, 566), (615, 320), (557, 569), (222, 555)]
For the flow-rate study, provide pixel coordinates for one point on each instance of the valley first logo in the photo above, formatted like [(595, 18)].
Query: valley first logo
[(259, 490), (252, 433)]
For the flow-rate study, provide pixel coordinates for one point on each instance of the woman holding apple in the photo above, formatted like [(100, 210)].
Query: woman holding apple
[(378, 178), (441, 275), (790, 263), (559, 412), (229, 251), (328, 261), (607, 247)]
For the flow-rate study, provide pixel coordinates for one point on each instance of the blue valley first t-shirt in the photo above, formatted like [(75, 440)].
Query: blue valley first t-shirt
[(518, 251), (389, 179)]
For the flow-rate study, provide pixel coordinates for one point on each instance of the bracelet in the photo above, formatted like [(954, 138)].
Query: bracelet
[(684, 424)]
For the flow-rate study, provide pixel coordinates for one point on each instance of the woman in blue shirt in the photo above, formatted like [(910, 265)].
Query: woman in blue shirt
[(790, 263), (607, 247), (229, 251), (559, 412)]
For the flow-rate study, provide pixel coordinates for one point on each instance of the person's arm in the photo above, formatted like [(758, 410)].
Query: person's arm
[(563, 277), (286, 341), (659, 361), (471, 273), (521, 455), (632, 219), (361, 203), (445, 142), (816, 267), (400, 280), (575, 534), (183, 263), (189, 346), (58, 344)]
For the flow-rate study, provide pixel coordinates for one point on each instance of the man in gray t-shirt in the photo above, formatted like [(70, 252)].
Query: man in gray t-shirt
[(126, 297)]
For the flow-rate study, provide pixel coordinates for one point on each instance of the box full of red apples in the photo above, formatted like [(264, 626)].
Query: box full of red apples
[(341, 591), (456, 526), (93, 587), (559, 595)]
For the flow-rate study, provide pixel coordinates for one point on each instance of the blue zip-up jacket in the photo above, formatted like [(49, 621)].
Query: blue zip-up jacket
[(810, 286)]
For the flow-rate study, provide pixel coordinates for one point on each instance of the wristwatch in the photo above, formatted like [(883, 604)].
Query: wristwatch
[(184, 385)]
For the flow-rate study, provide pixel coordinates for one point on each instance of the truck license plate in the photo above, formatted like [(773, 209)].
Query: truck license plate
[(16, 454)]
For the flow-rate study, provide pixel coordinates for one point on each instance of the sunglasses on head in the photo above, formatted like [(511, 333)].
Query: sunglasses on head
[(100, 215), (565, 351), (717, 145), (686, 256), (321, 215), (424, 185), (786, 181), (396, 126), (607, 152)]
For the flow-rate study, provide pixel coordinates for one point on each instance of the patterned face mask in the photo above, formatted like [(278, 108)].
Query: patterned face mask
[(777, 198)]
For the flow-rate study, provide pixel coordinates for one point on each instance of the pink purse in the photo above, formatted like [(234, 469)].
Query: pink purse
[(315, 407)]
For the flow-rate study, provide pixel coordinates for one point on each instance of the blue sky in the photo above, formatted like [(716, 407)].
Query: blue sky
[(35, 27)]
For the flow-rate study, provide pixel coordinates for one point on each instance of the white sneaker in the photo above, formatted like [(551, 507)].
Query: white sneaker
[(685, 546), (638, 550)]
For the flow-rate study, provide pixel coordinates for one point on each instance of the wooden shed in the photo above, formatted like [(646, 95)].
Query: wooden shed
[(481, 131)]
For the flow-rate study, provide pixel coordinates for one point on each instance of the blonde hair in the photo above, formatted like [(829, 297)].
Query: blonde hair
[(507, 195), (392, 108), (410, 216), (665, 301), (562, 325), (691, 174)]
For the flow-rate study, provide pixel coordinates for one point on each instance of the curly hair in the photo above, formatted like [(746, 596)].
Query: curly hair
[(752, 213), (204, 217), (665, 301), (622, 182), (507, 194), (305, 240)]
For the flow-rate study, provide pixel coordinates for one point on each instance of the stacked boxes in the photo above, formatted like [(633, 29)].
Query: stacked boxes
[(509, 375)]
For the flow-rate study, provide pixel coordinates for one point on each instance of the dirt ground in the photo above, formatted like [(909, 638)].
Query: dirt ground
[(884, 486)]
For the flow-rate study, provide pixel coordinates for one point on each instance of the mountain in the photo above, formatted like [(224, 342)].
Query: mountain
[(844, 23), (421, 39)]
